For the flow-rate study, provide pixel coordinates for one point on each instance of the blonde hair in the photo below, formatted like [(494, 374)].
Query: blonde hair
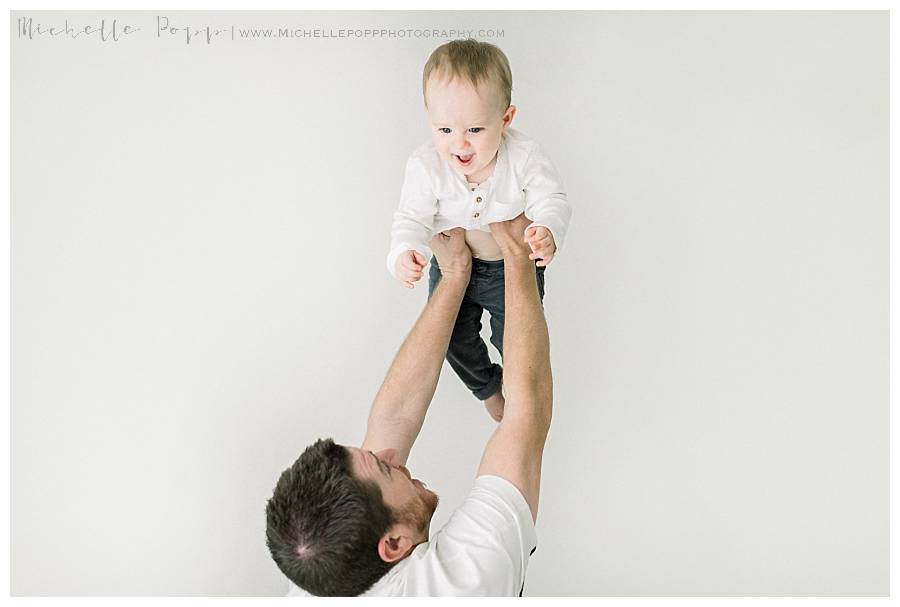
[(473, 61)]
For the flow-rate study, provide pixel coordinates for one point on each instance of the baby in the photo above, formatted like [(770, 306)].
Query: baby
[(475, 171)]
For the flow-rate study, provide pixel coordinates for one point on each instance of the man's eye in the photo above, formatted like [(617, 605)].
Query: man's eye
[(381, 464), (476, 129), (444, 130)]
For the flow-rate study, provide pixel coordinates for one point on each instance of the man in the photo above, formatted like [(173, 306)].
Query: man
[(346, 521)]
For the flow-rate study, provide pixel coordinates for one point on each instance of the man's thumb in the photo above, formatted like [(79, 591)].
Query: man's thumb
[(419, 258)]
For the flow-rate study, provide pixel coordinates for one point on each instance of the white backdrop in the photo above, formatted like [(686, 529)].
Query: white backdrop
[(199, 291)]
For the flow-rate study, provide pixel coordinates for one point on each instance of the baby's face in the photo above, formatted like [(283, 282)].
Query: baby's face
[(466, 124)]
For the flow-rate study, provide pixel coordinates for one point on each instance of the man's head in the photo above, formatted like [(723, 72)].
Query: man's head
[(340, 518), (467, 87)]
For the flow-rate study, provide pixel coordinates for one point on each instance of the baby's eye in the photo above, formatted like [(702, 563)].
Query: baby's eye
[(444, 130), (476, 129)]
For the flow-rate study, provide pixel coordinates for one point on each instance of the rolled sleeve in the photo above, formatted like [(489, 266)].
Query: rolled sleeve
[(546, 202), (413, 223)]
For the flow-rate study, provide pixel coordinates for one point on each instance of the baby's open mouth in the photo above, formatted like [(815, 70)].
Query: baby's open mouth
[(464, 160)]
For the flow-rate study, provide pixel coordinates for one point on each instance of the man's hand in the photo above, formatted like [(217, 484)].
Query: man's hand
[(453, 254), (509, 236), (409, 268), (543, 247)]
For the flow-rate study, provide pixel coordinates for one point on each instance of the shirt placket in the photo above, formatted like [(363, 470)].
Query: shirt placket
[(478, 197)]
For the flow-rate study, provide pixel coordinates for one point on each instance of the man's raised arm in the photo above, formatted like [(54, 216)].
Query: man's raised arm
[(515, 450), (401, 403)]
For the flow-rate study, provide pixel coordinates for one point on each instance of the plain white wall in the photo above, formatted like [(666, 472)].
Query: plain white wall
[(199, 292)]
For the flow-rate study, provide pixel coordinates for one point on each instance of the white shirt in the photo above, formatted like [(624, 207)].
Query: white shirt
[(435, 198), (482, 550)]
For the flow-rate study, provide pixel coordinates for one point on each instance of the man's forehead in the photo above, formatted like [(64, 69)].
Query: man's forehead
[(361, 459), (358, 454)]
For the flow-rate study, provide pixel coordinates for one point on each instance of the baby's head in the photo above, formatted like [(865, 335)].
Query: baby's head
[(467, 87)]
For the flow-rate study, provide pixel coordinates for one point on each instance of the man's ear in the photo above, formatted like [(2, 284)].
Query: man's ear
[(395, 545)]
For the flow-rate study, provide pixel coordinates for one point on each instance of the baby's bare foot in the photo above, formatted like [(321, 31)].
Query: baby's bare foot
[(494, 404)]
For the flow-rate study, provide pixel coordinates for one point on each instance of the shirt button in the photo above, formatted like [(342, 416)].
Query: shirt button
[(478, 199), (476, 215)]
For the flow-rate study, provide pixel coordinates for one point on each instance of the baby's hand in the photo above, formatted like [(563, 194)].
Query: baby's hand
[(543, 247), (409, 268)]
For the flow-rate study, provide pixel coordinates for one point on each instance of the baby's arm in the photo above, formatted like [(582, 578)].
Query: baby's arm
[(409, 267), (543, 246), (413, 225), (546, 204)]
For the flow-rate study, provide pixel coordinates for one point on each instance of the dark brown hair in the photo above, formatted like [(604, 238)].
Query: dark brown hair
[(323, 525)]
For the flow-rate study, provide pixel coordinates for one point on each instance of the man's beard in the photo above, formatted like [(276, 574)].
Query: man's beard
[(419, 513)]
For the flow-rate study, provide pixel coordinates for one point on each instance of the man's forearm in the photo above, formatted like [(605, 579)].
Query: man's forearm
[(526, 347), (398, 411)]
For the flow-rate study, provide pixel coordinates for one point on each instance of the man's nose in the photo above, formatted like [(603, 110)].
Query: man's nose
[(388, 455)]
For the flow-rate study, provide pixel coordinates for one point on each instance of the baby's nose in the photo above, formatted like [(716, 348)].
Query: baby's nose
[(462, 144)]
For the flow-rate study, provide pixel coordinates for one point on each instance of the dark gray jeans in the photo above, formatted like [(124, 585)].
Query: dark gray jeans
[(467, 353)]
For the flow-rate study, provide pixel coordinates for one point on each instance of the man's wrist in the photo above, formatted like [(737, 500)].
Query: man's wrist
[(515, 251), (511, 246), (456, 275), (457, 271)]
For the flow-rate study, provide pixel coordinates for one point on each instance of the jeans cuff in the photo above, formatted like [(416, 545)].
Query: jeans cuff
[(493, 386)]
